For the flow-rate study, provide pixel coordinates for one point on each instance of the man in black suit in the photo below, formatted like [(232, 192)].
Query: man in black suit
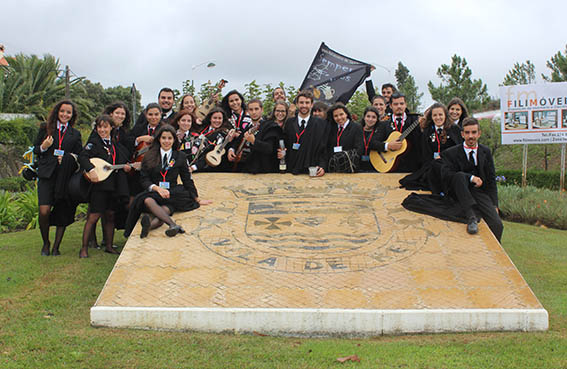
[(468, 173), (403, 121), (305, 138)]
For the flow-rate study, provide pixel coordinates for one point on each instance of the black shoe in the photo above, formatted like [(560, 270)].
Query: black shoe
[(146, 223), (45, 250), (55, 252), (81, 256), (112, 251), (472, 226), (173, 230)]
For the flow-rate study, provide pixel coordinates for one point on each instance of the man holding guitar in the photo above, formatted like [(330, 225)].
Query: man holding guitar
[(401, 137), (256, 151)]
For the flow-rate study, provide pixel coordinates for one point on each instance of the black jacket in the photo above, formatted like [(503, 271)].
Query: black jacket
[(47, 161), (351, 138), (264, 150), (313, 144), (179, 169), (454, 160), (431, 144)]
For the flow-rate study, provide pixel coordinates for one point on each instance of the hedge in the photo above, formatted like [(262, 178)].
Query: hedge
[(536, 178), (18, 132)]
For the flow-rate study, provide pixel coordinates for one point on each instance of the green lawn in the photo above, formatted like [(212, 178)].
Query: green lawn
[(45, 302)]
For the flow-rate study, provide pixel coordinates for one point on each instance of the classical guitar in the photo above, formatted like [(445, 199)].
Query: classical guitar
[(200, 149), (385, 162), (103, 169), (210, 103), (214, 157)]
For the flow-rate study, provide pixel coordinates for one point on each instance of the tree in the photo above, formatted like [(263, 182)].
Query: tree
[(558, 66), (252, 90), (456, 81), (357, 103), (407, 86), (520, 74), (32, 85)]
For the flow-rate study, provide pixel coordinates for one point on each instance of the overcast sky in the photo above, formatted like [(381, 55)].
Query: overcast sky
[(156, 43)]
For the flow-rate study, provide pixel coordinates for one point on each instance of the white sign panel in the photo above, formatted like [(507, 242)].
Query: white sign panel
[(534, 114)]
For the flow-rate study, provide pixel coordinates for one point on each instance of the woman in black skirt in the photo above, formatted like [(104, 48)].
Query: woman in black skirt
[(163, 164), (108, 195), (55, 142)]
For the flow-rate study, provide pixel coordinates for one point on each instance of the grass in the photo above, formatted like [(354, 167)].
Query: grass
[(45, 302)]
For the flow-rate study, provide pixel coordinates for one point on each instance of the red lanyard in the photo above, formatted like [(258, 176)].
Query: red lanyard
[(113, 155), (239, 119), (438, 141), (61, 137), (164, 174), (366, 144), (299, 135), (339, 134), (401, 124)]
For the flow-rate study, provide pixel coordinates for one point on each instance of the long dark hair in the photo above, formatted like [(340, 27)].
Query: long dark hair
[(183, 98), (225, 126), (226, 107), (337, 106), (54, 116), (152, 158), (461, 103), (181, 114), (428, 120), (372, 110), (272, 116), (119, 104)]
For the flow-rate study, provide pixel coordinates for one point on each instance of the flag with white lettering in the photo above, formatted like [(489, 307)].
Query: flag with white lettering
[(334, 77)]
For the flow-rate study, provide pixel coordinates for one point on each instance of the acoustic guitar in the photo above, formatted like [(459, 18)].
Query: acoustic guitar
[(214, 157), (206, 107), (103, 169), (385, 162)]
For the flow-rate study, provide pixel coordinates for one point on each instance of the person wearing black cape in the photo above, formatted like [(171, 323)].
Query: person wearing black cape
[(109, 195), (54, 145), (305, 139), (162, 166), (345, 143)]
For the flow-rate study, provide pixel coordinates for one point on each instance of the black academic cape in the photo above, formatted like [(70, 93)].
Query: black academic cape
[(350, 139), (47, 161), (372, 142), (313, 144), (264, 150), (428, 176)]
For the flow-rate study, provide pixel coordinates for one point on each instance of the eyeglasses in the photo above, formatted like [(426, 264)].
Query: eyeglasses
[(280, 111)]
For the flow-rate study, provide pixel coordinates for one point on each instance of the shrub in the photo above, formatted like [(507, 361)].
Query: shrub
[(13, 184), (8, 219), (536, 178), (28, 208), (18, 132), (533, 206)]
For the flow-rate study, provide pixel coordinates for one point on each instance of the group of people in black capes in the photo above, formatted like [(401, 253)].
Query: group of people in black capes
[(153, 162)]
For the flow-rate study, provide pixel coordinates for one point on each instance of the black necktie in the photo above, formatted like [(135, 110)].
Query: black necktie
[(302, 124), (164, 161), (151, 130), (107, 142), (399, 121), (439, 131), (471, 158)]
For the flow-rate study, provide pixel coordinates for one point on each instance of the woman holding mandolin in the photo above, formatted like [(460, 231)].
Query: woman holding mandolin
[(217, 137), (106, 194)]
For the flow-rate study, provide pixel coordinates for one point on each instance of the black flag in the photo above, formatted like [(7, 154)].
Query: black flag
[(334, 77)]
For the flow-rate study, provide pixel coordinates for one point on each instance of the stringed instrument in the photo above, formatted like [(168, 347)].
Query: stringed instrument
[(200, 149), (103, 169), (385, 162), (210, 103), (214, 157), (240, 151)]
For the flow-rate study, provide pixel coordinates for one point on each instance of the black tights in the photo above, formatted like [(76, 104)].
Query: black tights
[(44, 213), (107, 228), (162, 213)]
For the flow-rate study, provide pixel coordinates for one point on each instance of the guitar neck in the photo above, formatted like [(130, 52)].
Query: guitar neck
[(408, 131), (253, 131)]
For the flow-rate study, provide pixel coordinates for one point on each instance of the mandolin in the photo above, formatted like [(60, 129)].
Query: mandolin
[(210, 103), (214, 158), (385, 162), (103, 169)]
